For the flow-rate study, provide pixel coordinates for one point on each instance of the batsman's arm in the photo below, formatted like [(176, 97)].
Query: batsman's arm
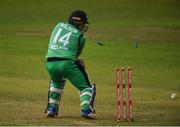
[(81, 43)]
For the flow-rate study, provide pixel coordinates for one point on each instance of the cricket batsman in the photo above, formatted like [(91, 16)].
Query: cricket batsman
[(66, 44)]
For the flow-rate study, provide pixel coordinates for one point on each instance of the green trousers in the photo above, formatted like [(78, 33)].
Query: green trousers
[(68, 69)]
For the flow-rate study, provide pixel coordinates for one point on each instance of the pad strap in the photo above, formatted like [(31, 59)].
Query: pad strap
[(52, 101), (56, 90)]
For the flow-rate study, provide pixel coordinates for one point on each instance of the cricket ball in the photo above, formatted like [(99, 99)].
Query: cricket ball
[(173, 96)]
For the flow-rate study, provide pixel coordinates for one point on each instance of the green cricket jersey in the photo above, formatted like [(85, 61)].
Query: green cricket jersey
[(66, 42)]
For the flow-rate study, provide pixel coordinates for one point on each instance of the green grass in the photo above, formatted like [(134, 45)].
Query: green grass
[(25, 28)]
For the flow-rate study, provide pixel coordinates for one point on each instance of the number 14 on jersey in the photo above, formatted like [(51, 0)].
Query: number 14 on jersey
[(61, 41)]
